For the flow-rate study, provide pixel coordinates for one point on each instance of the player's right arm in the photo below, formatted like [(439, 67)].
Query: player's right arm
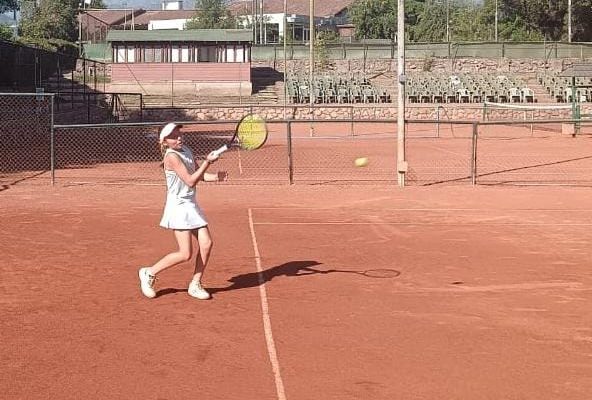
[(172, 162)]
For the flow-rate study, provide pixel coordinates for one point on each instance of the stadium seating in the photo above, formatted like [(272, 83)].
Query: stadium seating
[(560, 87), (336, 89), (428, 87)]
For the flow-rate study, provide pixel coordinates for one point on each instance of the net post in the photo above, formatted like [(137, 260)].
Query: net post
[(474, 155), (290, 159)]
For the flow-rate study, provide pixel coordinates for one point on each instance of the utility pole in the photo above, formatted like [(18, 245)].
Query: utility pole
[(496, 17), (569, 20), (261, 33), (401, 162), (254, 20), (285, 39), (311, 37), (447, 21)]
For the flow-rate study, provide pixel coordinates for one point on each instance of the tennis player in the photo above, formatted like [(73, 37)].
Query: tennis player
[(182, 213)]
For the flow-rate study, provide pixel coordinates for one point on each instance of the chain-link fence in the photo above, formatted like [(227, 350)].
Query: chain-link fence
[(369, 51), (79, 84), (26, 124), (298, 151)]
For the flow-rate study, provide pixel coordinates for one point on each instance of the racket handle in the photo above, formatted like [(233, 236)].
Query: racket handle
[(221, 150)]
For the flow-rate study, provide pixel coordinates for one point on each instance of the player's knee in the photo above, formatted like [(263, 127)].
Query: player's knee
[(185, 255), (207, 244)]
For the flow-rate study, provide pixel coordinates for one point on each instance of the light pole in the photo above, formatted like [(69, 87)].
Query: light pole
[(285, 37), (401, 162), (311, 36), (447, 21), (496, 16), (569, 21)]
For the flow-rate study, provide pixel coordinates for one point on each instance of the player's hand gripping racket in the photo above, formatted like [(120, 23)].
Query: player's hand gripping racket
[(250, 134)]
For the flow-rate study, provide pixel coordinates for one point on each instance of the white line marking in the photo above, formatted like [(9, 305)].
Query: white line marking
[(423, 223), (271, 350), (439, 209)]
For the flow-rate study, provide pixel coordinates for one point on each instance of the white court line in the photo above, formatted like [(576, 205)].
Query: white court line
[(271, 350), (425, 223), (437, 209)]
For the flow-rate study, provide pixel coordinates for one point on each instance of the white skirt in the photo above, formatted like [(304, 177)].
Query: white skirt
[(182, 215)]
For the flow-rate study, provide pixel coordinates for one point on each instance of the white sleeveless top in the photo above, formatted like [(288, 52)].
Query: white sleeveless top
[(181, 210)]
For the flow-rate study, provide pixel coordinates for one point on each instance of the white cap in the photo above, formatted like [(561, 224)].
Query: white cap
[(167, 130)]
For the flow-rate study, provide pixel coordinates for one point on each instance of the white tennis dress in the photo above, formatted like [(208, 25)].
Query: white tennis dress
[(181, 210)]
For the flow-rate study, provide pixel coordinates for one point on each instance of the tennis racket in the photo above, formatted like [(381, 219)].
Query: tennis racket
[(250, 134)]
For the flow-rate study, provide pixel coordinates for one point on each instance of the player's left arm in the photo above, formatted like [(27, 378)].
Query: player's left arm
[(218, 177)]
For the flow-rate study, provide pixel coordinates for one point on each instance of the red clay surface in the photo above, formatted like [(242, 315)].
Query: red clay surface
[(492, 300)]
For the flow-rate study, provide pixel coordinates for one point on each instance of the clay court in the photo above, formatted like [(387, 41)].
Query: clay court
[(319, 292)]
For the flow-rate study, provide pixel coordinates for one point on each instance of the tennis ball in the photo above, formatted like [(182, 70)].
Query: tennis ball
[(361, 162)]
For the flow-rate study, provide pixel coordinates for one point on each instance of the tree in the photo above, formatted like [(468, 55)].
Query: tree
[(53, 19), (377, 19), (8, 5), (212, 14), (5, 32), (581, 26), (97, 4), (374, 19)]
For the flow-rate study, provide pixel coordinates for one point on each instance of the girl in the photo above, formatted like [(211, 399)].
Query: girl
[(181, 212)]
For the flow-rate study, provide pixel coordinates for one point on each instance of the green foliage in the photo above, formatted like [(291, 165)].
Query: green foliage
[(213, 14), (8, 5), (320, 48), (428, 63), (5, 32), (53, 19), (518, 20), (374, 19), (97, 4), (61, 46)]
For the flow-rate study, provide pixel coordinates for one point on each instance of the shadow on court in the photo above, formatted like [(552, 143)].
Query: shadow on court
[(292, 268), (253, 279)]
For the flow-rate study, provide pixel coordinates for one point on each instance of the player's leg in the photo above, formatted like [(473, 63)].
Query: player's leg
[(204, 244), (148, 274), (183, 253)]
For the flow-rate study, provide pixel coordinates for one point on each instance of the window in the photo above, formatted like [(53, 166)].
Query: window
[(148, 54), (131, 54), (240, 53), (120, 54), (184, 54), (175, 54), (230, 53), (207, 54), (157, 54)]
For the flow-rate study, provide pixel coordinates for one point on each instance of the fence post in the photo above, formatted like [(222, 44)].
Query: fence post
[(474, 155), (52, 144), (290, 159), (351, 118)]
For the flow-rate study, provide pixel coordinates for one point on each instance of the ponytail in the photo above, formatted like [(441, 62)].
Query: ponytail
[(163, 148)]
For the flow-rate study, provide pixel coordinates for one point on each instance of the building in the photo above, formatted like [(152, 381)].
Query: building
[(95, 23), (202, 62), (164, 19), (328, 14)]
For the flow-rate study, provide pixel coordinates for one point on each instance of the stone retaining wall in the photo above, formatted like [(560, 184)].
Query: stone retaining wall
[(457, 112)]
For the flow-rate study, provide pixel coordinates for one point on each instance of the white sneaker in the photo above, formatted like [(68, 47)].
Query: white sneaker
[(147, 283), (197, 291)]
